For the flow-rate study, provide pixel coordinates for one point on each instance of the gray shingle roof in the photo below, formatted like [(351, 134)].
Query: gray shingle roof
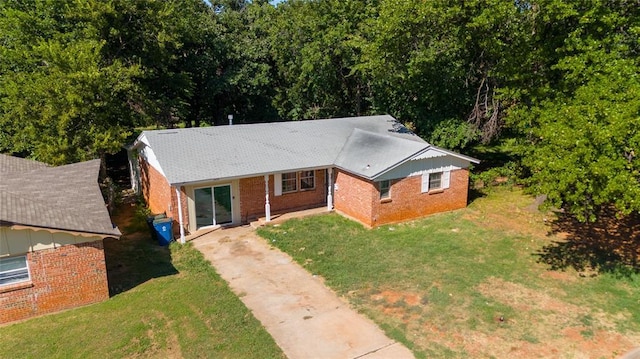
[(65, 197), (10, 164), (369, 154), (209, 153)]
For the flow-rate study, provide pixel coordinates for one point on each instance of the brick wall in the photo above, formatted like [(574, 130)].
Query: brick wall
[(61, 278), (252, 197), (361, 200), (160, 196), (155, 189), (354, 196), (174, 210)]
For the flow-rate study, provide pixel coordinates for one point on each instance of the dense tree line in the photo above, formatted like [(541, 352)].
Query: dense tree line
[(556, 79)]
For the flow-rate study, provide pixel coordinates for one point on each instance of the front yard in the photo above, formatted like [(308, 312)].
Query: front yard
[(476, 283), (471, 283)]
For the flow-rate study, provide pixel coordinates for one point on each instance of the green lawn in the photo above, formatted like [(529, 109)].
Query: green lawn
[(174, 305), (469, 282)]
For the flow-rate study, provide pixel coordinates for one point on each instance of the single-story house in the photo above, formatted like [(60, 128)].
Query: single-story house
[(372, 169), (52, 224)]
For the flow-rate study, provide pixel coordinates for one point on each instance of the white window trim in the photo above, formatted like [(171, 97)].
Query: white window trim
[(277, 183), (26, 266), (445, 180)]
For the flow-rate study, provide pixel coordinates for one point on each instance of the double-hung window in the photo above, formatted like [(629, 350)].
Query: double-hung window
[(385, 189), (307, 180), (289, 182), (13, 270), (435, 181)]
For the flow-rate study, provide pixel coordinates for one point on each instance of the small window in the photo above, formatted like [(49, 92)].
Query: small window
[(289, 182), (14, 270), (307, 180), (385, 189), (435, 181)]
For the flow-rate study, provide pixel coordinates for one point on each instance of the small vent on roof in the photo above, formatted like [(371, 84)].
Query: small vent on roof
[(168, 133)]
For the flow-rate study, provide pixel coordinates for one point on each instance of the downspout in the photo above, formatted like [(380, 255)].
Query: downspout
[(182, 240), (267, 205)]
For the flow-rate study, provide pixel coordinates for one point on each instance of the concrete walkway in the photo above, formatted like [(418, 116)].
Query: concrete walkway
[(306, 319)]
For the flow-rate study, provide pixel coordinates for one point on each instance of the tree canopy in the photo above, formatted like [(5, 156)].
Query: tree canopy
[(559, 79)]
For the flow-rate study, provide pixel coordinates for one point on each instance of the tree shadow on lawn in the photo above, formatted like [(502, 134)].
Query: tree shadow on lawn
[(134, 258), (609, 245)]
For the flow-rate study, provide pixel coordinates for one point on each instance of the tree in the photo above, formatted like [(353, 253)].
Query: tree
[(247, 68), (585, 137), (441, 65), (59, 101), (315, 51)]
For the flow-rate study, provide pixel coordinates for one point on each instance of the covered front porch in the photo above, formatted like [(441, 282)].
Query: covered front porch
[(257, 199)]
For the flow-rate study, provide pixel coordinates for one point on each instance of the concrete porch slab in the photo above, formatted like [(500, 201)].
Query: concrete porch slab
[(282, 217)]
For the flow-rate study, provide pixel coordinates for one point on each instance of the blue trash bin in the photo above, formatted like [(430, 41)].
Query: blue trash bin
[(164, 230), (150, 219)]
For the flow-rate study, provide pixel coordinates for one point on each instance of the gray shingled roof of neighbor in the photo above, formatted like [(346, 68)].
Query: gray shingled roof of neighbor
[(10, 164), (64, 198), (224, 152)]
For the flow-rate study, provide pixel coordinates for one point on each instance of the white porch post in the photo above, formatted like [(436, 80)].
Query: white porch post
[(182, 241), (329, 189), (267, 206)]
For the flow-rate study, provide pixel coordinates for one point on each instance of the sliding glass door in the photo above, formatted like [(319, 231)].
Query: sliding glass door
[(213, 205)]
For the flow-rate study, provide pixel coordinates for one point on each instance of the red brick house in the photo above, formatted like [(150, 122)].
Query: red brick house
[(52, 224), (372, 169)]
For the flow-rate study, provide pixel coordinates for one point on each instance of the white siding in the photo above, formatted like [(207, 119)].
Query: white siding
[(21, 241), (425, 164)]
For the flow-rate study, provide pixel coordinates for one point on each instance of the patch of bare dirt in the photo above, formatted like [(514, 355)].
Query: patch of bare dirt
[(522, 298), (559, 276), (393, 297), (403, 306)]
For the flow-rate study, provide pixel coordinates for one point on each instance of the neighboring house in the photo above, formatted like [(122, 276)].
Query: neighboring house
[(372, 169), (52, 224)]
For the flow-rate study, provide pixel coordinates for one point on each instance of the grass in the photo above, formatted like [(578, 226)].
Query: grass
[(469, 282), (170, 303)]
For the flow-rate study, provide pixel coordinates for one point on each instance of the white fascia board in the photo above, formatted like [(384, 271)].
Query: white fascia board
[(145, 150), (139, 142), (455, 154)]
